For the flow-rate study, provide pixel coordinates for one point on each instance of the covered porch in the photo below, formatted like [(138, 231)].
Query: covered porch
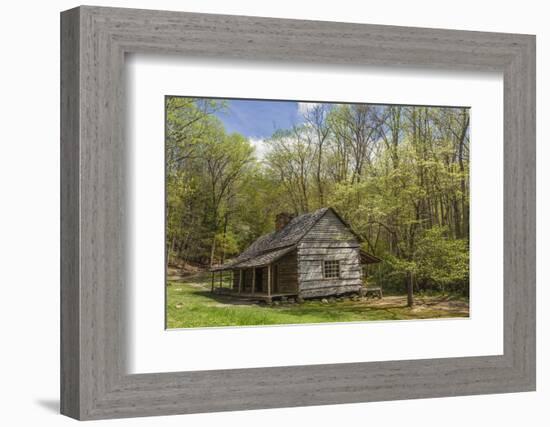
[(255, 283), (257, 278)]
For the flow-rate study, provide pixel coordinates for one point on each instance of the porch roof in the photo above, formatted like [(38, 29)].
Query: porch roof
[(261, 260), (367, 258)]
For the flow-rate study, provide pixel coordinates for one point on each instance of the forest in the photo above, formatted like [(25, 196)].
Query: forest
[(399, 175)]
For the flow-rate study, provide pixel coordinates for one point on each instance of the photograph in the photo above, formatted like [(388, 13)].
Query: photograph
[(291, 212)]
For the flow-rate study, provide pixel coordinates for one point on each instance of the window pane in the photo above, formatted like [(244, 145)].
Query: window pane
[(331, 269)]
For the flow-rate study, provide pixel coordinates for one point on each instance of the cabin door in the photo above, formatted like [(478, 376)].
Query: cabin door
[(259, 280)]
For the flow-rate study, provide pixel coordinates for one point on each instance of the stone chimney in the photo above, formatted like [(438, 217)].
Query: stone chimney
[(282, 219)]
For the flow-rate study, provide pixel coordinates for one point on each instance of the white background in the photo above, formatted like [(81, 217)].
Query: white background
[(154, 349), (29, 215)]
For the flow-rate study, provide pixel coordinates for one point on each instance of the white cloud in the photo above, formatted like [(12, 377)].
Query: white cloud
[(260, 147), (306, 107)]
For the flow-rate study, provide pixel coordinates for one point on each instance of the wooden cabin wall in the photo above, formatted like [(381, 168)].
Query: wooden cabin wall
[(288, 277), (247, 280), (329, 239), (236, 274)]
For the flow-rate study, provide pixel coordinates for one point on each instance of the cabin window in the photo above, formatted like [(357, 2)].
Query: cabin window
[(331, 269)]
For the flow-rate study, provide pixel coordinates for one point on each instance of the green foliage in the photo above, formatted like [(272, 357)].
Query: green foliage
[(398, 175), (438, 263), (442, 261), (227, 243)]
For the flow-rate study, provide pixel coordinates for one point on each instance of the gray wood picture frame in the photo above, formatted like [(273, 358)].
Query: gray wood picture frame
[(94, 381)]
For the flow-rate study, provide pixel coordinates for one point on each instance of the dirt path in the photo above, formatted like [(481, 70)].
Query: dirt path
[(422, 303)]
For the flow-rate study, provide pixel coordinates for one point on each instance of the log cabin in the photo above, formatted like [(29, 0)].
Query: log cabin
[(308, 256)]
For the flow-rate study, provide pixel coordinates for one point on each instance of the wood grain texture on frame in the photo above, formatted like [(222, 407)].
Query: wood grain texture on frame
[(94, 381)]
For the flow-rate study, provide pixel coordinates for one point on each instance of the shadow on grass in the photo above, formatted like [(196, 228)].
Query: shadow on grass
[(227, 299)]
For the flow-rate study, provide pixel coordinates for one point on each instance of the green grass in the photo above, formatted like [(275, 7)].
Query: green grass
[(190, 304)]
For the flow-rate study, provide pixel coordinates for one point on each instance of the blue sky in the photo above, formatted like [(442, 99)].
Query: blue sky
[(258, 120)]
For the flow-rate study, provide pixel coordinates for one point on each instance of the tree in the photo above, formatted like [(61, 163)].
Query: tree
[(290, 161), (442, 261), (399, 175), (317, 131), (225, 158)]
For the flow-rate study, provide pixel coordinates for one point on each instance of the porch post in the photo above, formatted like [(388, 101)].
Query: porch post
[(240, 280), (269, 280), (253, 279), (221, 277), (212, 274)]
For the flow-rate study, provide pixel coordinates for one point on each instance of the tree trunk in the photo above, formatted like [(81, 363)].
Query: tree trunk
[(213, 251), (172, 248), (223, 236), (319, 184), (410, 285)]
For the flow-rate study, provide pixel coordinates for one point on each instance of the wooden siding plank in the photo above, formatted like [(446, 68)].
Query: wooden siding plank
[(349, 254), (327, 243)]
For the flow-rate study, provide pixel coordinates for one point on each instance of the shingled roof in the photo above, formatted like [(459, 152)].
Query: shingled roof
[(287, 237), (272, 246)]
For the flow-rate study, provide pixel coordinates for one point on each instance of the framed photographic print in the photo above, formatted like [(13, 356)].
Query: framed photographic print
[(265, 200), (346, 211)]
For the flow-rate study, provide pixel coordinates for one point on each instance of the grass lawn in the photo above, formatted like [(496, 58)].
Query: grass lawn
[(190, 304)]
